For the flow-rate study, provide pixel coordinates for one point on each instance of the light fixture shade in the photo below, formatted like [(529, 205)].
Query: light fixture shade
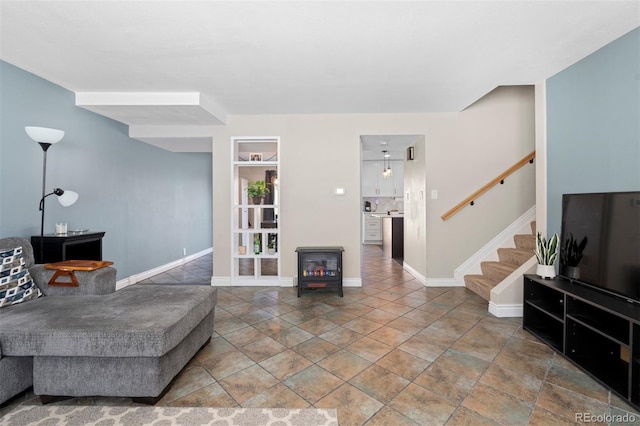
[(44, 134), (68, 198)]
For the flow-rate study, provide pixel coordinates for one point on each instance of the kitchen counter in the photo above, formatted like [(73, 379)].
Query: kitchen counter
[(393, 236), (383, 215)]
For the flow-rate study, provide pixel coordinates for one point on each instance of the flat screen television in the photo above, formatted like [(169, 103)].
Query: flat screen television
[(600, 242)]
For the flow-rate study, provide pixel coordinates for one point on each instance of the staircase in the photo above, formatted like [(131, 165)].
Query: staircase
[(509, 259)]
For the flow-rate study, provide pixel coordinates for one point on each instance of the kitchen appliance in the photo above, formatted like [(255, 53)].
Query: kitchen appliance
[(367, 206)]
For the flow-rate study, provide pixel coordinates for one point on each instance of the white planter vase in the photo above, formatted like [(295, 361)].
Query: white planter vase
[(546, 271)]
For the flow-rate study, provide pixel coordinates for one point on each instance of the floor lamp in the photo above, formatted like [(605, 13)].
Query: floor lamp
[(45, 138)]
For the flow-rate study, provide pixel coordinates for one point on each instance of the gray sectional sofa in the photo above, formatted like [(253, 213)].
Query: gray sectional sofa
[(94, 341)]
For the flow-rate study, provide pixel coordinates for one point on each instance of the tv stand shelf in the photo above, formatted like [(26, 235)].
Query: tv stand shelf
[(598, 332)]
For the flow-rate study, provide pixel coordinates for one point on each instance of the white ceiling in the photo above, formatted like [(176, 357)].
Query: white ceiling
[(192, 63), (372, 146)]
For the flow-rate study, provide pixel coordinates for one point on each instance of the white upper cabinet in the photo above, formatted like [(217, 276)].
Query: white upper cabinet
[(374, 185)]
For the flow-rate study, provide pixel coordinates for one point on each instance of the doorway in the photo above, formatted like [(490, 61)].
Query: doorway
[(389, 176)]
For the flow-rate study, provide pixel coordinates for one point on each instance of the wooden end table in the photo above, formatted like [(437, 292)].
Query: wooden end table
[(67, 268)]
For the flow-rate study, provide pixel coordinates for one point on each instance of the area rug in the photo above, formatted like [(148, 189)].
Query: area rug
[(165, 416)]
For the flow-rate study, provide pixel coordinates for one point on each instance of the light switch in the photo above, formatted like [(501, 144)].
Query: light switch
[(434, 194), (340, 191)]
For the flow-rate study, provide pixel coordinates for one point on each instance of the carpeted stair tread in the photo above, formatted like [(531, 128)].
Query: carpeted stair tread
[(514, 256), (496, 271), (509, 260), (525, 241), (480, 285)]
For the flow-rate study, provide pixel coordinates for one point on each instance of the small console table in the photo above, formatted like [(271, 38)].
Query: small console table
[(598, 332), (66, 268), (70, 246), (320, 267)]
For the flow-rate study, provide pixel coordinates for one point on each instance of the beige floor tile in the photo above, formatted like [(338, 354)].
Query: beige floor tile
[(465, 417), (566, 403), (369, 349), (390, 417), (445, 382), (389, 336), (227, 364), (515, 383), (213, 395), (403, 364), (341, 336), (316, 349), (247, 383), (354, 406), (423, 406), (423, 348), (313, 383), (344, 364), (278, 396), (262, 349), (362, 325), (285, 364), (498, 406), (379, 383)]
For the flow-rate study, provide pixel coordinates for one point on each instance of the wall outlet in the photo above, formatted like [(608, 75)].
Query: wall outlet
[(184, 251)]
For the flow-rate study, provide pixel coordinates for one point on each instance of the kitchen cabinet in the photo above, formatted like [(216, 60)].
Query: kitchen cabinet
[(374, 185), (369, 178), (397, 167), (371, 229)]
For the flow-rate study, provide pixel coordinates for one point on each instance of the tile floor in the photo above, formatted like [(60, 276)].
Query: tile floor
[(390, 353)]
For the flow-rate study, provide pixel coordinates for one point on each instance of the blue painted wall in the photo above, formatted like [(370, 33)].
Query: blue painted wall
[(593, 125), (152, 203)]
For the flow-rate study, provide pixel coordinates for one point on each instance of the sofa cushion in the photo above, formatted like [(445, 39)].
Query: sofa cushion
[(27, 249), (16, 285), (140, 320)]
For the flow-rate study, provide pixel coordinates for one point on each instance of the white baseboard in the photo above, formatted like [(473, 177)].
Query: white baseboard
[(443, 282), (418, 276), (286, 281), (432, 282), (252, 282), (160, 269), (221, 281), (506, 310), (352, 282)]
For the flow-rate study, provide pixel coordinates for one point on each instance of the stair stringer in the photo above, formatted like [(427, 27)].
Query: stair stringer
[(489, 252), (505, 299)]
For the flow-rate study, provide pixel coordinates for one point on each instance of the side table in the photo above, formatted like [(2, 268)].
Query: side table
[(72, 245), (67, 268)]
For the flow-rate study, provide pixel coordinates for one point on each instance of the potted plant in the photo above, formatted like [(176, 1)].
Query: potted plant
[(571, 255), (256, 190), (546, 254), (271, 247)]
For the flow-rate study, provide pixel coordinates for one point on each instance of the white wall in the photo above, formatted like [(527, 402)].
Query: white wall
[(319, 152), (415, 210)]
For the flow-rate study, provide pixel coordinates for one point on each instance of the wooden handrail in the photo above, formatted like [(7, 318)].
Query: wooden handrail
[(469, 200)]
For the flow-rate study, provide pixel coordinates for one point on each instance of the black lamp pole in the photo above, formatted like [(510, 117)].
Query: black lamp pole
[(45, 146)]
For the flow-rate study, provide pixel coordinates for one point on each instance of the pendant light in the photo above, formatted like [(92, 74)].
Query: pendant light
[(386, 165)]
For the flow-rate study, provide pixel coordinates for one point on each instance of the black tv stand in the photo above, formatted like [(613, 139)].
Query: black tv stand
[(598, 332)]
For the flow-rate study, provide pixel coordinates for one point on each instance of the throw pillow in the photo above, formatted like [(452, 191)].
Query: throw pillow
[(16, 284)]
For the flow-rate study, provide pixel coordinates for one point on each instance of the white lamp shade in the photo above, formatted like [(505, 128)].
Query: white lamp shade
[(44, 134), (68, 198)]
